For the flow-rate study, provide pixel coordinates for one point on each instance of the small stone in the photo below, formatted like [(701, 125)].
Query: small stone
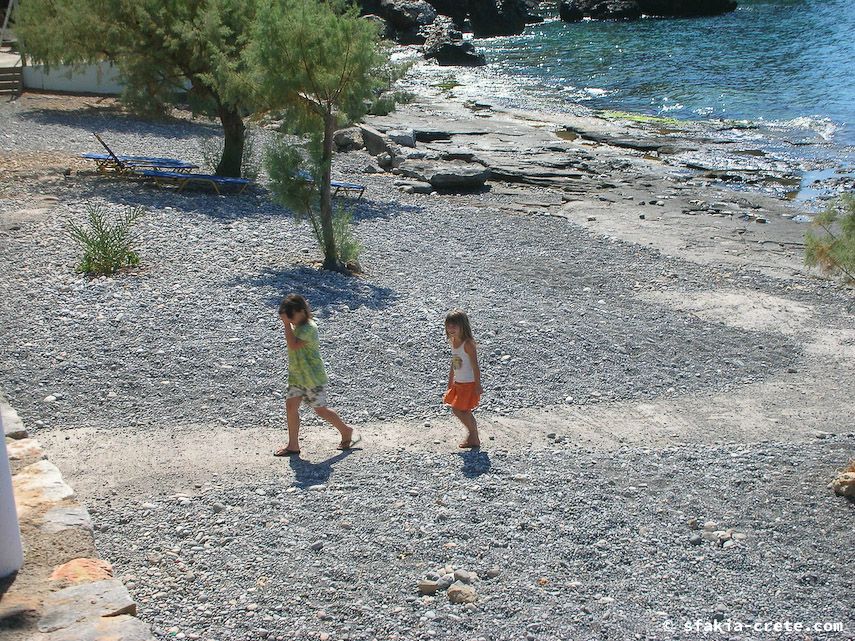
[(50, 398), (218, 507), (710, 526), (428, 587), (591, 219), (317, 545), (695, 539), (461, 593), (492, 573)]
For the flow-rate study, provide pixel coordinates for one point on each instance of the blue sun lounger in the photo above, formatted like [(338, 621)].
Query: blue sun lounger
[(127, 164), (181, 180), (337, 185), (106, 162)]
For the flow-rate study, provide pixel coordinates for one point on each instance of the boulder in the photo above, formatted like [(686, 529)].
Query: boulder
[(375, 142), (575, 10), (348, 139), (686, 8), (457, 10), (407, 15), (491, 18), (404, 137), (444, 43)]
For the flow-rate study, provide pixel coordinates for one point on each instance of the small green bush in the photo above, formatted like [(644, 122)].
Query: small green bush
[(833, 250), (106, 243), (347, 244)]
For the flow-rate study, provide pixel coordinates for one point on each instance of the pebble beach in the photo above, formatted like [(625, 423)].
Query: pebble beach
[(544, 538)]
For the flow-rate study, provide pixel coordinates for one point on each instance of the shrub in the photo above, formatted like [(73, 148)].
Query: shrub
[(106, 243), (833, 250)]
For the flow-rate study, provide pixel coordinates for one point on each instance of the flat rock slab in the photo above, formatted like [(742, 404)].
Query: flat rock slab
[(80, 603), (38, 486), (119, 628), (23, 449), (446, 175), (65, 518), (83, 571)]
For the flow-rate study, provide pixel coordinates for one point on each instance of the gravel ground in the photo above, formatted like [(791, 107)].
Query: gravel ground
[(582, 545), (193, 336)]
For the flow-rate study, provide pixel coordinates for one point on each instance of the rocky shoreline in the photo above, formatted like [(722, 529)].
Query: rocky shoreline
[(697, 338)]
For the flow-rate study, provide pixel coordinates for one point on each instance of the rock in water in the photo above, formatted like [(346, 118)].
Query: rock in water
[(444, 42), (491, 18), (575, 10)]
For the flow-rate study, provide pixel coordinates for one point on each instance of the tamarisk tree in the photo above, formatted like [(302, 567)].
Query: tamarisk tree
[(319, 64), (162, 49)]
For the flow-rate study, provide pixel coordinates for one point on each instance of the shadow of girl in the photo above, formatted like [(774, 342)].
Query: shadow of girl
[(307, 473)]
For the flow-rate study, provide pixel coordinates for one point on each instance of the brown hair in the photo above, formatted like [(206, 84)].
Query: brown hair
[(294, 303), (458, 317)]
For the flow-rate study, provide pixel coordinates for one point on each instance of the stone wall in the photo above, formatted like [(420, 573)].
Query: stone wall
[(64, 591)]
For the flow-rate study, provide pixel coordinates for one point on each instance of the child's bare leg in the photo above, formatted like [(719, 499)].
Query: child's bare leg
[(468, 420), (292, 413), (335, 420)]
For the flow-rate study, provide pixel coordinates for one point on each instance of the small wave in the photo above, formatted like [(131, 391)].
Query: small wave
[(595, 91), (825, 127), (675, 107)]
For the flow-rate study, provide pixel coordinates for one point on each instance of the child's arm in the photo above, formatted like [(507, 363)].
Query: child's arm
[(469, 348), (290, 338), (450, 376)]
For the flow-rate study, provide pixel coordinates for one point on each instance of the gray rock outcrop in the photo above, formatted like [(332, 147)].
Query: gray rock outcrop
[(445, 43), (497, 17), (575, 10)]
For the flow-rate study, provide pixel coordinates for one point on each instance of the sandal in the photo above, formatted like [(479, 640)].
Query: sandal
[(284, 451), (348, 444)]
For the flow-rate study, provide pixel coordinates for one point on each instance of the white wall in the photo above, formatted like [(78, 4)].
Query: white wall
[(101, 78)]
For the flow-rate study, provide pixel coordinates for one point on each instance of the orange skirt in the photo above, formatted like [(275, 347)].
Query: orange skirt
[(462, 396)]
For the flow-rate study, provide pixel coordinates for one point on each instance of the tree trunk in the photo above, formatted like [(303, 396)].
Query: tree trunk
[(331, 260), (234, 130)]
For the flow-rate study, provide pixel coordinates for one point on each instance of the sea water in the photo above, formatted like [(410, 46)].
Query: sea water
[(785, 66)]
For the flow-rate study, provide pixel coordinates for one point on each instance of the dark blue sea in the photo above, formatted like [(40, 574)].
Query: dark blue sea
[(785, 65)]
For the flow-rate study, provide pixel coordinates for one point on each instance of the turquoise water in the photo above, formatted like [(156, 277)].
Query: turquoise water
[(787, 64)]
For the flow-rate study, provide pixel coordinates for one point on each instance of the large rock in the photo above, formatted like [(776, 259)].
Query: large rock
[(457, 10), (575, 10), (114, 628), (348, 139), (497, 17), (408, 17), (375, 142), (38, 487), (445, 43), (446, 175), (462, 593)]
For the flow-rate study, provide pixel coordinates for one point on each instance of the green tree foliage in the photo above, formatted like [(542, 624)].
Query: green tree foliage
[(162, 48), (320, 64), (833, 250)]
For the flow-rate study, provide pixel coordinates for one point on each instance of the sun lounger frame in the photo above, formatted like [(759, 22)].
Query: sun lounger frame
[(181, 180)]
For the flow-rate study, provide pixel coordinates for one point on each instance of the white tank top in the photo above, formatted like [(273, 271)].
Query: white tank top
[(462, 365)]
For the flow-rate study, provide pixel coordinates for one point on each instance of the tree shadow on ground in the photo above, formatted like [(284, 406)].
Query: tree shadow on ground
[(114, 120), (475, 463), (307, 474), (323, 289), (362, 210)]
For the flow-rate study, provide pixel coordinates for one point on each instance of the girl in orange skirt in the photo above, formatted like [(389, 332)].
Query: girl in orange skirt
[(464, 377)]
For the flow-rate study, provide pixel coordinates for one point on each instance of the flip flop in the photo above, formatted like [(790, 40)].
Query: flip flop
[(348, 445), (284, 451)]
